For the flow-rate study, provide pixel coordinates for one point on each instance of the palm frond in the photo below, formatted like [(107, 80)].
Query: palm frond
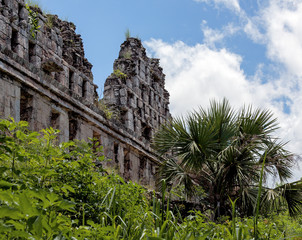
[(256, 122), (292, 194), (172, 172), (222, 150), (279, 162)]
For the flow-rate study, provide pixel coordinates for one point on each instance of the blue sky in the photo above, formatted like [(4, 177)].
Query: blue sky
[(102, 25), (249, 51)]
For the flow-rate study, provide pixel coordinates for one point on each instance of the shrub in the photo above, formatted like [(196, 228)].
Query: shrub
[(52, 190)]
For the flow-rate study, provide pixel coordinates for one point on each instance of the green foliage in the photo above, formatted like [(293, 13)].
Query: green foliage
[(127, 34), (52, 190), (110, 112), (33, 3), (256, 214), (276, 226), (49, 20), (33, 20), (119, 74), (127, 55), (222, 151)]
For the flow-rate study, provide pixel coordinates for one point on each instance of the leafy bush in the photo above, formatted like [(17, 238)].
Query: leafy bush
[(54, 191), (49, 189)]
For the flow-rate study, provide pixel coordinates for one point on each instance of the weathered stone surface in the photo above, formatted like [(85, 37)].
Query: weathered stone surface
[(145, 87), (51, 65), (47, 81)]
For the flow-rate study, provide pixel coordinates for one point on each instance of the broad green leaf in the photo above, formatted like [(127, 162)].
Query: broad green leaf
[(66, 205), (37, 226), (9, 212), (52, 198), (6, 185), (68, 187), (21, 234), (26, 205), (7, 197), (19, 225)]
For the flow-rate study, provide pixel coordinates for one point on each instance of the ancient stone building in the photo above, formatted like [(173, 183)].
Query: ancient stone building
[(139, 95), (46, 80)]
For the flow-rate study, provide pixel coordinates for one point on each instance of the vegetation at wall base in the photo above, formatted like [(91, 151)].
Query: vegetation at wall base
[(52, 190)]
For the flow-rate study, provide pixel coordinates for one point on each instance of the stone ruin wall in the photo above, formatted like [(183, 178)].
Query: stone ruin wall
[(47, 81)]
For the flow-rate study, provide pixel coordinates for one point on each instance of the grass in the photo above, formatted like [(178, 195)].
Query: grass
[(52, 191), (127, 34), (34, 3)]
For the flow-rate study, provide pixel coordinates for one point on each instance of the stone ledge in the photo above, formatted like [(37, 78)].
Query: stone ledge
[(47, 89)]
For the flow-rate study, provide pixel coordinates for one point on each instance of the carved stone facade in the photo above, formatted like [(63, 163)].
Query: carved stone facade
[(46, 80), (140, 94)]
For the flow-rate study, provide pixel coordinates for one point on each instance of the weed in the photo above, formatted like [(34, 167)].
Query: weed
[(33, 3), (127, 34), (118, 73), (110, 112), (127, 55), (33, 21), (49, 20)]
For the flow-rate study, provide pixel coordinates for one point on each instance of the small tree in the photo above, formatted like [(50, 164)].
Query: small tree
[(222, 150)]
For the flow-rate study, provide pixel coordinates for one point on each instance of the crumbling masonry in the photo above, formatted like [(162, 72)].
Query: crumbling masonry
[(46, 80)]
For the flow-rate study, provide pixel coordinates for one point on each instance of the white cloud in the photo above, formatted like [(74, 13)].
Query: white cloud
[(282, 22), (278, 26), (231, 4), (252, 30), (213, 36), (195, 74)]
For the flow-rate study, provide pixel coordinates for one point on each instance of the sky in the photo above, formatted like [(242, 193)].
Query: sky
[(249, 51)]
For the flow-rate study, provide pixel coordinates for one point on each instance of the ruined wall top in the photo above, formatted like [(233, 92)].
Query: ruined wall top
[(53, 56), (137, 88), (51, 46)]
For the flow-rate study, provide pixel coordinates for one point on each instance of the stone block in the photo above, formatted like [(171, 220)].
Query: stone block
[(38, 50), (134, 163), (85, 131), (8, 3), (147, 110), (129, 83), (135, 81), (64, 126), (133, 103), (54, 46), (23, 41), (137, 91), (51, 65), (129, 124), (3, 28), (123, 92), (139, 103), (123, 100), (23, 13), (80, 81), (59, 51), (145, 97)]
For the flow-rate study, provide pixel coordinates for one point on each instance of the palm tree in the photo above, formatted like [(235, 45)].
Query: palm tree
[(222, 151)]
